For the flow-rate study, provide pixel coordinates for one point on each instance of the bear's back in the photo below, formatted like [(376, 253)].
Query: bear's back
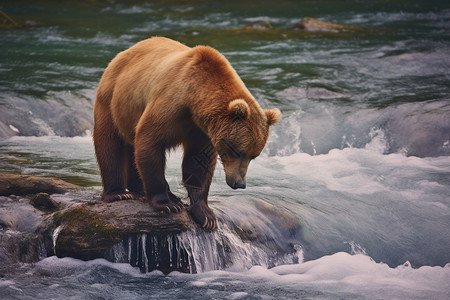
[(134, 77)]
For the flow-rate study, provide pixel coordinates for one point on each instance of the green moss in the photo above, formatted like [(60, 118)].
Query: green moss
[(85, 227)]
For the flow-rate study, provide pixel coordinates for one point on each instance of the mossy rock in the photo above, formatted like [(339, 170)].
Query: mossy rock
[(88, 230)]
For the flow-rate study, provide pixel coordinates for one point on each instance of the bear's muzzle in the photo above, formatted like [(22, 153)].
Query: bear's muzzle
[(235, 183)]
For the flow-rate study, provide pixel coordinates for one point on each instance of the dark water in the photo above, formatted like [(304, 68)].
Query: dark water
[(350, 198)]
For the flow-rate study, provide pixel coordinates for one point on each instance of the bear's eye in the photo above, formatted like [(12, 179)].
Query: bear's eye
[(241, 154), (236, 154), (227, 149)]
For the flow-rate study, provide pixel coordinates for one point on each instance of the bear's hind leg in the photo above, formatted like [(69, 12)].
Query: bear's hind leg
[(150, 162), (135, 185), (134, 182), (110, 153), (198, 168)]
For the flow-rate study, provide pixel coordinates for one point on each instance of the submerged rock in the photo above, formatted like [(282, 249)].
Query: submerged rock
[(311, 24), (259, 25)]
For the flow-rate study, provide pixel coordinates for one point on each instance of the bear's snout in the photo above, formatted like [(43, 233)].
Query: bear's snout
[(239, 185), (235, 172), (235, 184)]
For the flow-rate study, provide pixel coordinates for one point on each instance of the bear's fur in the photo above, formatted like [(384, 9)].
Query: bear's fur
[(159, 94)]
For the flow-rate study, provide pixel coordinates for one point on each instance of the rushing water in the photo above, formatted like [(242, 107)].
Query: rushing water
[(350, 198)]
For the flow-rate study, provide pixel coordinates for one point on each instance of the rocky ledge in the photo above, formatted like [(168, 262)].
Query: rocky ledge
[(20, 185), (33, 225), (70, 221)]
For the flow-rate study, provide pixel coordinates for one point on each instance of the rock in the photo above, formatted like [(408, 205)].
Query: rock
[(87, 231), (43, 201), (129, 232), (17, 248), (260, 25), (31, 229), (311, 24), (31, 23), (27, 184)]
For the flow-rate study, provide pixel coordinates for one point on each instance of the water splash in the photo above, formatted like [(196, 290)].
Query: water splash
[(221, 249), (355, 248), (55, 236), (195, 251)]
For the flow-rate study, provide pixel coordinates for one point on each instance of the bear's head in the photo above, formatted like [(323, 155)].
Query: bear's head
[(242, 138)]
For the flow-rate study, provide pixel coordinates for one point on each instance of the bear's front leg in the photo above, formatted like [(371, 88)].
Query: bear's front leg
[(198, 168), (150, 162)]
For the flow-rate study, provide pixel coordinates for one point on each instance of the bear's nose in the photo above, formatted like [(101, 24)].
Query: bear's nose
[(239, 185)]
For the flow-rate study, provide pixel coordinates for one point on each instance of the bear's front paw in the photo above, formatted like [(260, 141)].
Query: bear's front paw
[(203, 215), (162, 203)]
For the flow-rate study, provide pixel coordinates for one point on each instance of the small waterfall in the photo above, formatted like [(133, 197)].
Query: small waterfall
[(152, 252), (55, 236), (191, 251), (220, 249)]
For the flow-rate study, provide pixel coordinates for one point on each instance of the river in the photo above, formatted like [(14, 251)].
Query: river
[(350, 199)]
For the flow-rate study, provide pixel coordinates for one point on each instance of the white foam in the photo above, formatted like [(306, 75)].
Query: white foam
[(199, 283), (4, 282), (352, 170), (55, 236), (361, 271), (340, 273), (14, 128), (67, 265), (238, 295), (337, 273)]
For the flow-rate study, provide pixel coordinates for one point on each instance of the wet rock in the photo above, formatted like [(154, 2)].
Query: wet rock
[(133, 232), (87, 231), (16, 247), (32, 23), (27, 184), (44, 202), (260, 25), (30, 229), (311, 24), (19, 242)]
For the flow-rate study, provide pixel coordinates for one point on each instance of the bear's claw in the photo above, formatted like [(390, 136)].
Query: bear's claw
[(113, 197), (166, 203), (209, 225), (203, 216)]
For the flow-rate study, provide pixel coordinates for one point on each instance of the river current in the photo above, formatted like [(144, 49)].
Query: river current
[(350, 199)]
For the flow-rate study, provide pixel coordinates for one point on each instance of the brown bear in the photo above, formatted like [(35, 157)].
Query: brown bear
[(159, 94)]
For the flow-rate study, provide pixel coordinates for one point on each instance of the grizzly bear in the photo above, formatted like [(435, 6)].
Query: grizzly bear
[(159, 94)]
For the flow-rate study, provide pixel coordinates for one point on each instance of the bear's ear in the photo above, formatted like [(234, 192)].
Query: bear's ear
[(273, 115), (239, 109)]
